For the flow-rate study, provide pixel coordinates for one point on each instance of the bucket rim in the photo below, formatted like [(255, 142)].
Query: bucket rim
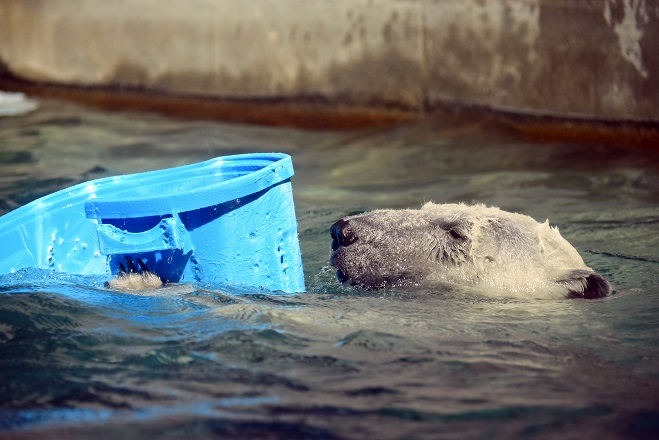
[(268, 169), (257, 172)]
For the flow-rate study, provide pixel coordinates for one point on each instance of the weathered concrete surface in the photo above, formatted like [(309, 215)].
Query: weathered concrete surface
[(595, 59), (357, 51)]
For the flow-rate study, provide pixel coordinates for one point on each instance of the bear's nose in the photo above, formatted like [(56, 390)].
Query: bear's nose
[(342, 234)]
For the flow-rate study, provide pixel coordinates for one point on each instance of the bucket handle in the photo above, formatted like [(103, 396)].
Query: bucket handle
[(168, 234)]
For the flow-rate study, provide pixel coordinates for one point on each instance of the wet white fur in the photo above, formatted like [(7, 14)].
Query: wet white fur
[(529, 259)]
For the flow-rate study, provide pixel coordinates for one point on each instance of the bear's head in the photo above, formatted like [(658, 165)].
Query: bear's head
[(501, 252)]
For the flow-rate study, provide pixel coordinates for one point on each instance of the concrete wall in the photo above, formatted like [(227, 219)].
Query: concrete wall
[(596, 59)]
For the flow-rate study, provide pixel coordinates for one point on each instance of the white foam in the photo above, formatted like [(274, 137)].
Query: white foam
[(15, 104)]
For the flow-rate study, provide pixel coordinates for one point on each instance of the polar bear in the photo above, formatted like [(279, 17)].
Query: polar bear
[(495, 251)]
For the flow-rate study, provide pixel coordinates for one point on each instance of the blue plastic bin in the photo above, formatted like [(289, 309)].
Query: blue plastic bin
[(226, 221)]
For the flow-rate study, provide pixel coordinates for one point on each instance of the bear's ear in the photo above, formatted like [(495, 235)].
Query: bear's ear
[(588, 285), (596, 286)]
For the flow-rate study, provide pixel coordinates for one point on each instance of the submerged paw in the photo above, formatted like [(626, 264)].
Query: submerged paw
[(134, 277)]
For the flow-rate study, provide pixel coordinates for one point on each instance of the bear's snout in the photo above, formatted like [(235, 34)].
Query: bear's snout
[(342, 234)]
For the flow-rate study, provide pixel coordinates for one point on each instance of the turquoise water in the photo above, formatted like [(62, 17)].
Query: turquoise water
[(77, 360)]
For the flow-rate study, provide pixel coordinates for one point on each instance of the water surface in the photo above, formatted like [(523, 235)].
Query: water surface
[(337, 362)]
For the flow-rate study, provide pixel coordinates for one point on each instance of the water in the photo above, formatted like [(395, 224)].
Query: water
[(77, 360)]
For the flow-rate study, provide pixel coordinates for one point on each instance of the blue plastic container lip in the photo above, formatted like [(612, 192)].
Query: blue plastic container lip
[(216, 181)]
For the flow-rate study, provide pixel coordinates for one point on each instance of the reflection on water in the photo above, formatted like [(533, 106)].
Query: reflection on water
[(337, 362)]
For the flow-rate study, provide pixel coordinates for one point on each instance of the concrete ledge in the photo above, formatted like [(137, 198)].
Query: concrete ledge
[(596, 60)]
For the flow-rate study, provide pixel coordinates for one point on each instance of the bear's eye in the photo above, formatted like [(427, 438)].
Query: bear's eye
[(455, 234)]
